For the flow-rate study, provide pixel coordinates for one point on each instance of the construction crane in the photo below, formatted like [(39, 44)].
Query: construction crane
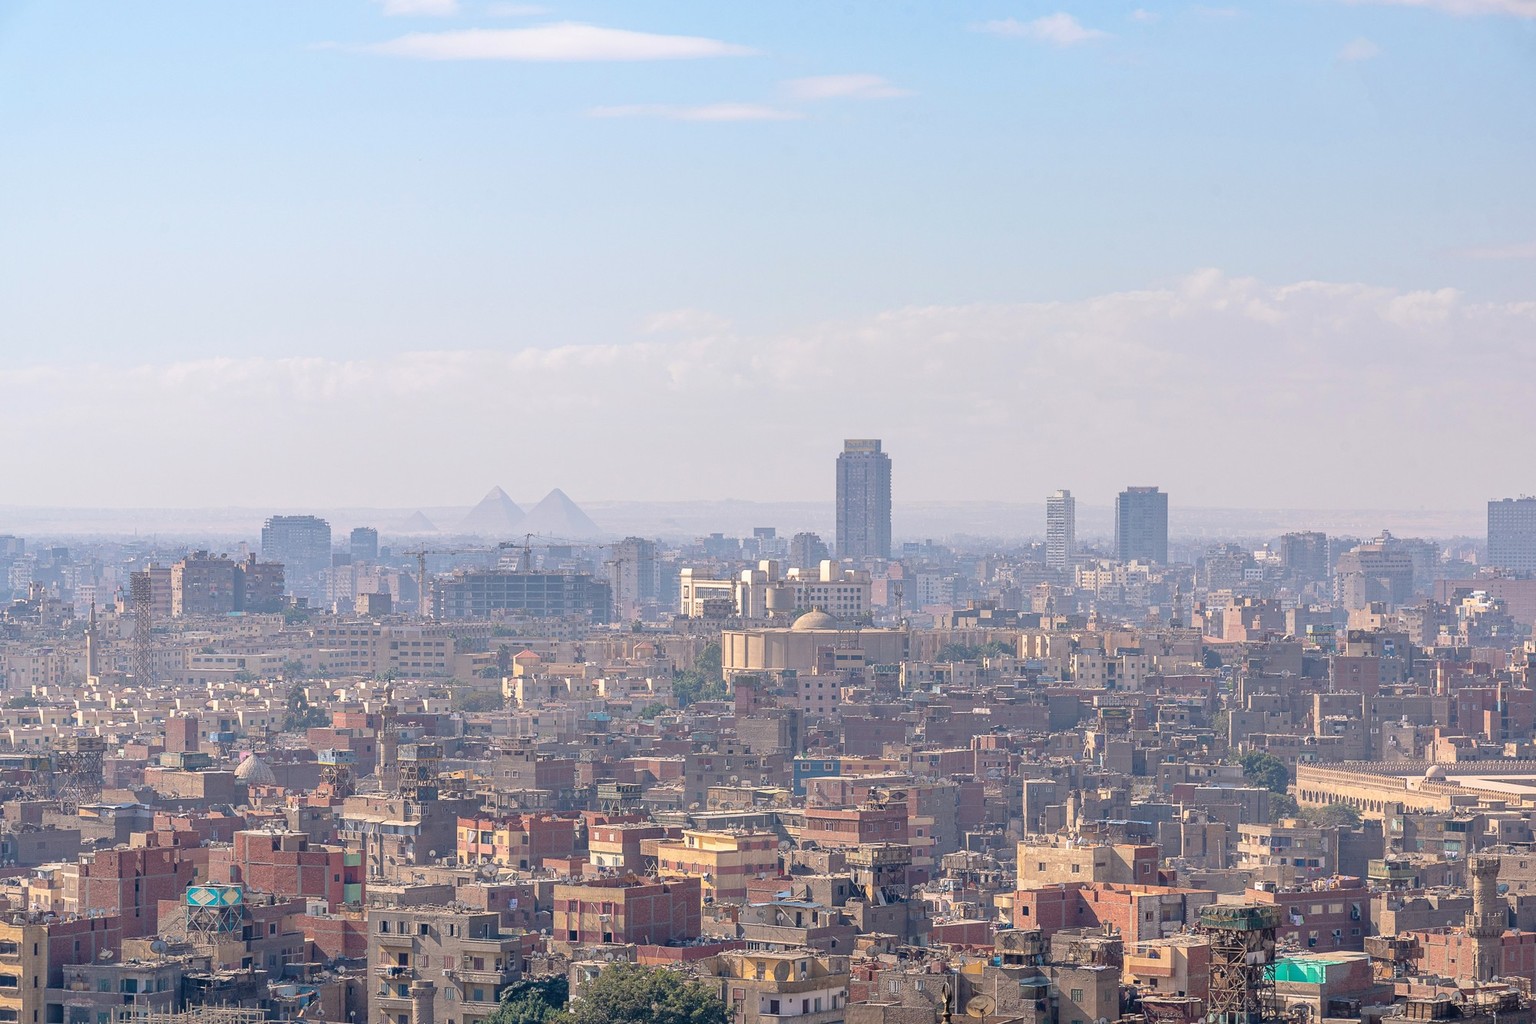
[(420, 554), (524, 559)]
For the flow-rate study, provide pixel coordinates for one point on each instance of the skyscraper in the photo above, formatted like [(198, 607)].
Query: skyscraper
[(863, 500), (365, 544), (1141, 525), (1512, 534), (1060, 529), (303, 545)]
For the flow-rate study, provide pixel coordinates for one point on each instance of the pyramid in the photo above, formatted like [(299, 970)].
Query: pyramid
[(496, 516), (558, 516), (418, 523)]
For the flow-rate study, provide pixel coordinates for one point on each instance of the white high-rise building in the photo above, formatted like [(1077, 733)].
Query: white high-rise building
[(1060, 529)]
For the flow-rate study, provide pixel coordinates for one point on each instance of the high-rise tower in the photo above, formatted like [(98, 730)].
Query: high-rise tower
[(1141, 525), (1512, 534), (863, 500), (1060, 529)]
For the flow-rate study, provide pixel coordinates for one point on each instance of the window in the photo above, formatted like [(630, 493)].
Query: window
[(1077, 995)]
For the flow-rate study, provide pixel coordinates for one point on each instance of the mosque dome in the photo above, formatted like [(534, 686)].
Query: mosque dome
[(1434, 773), (814, 619), (253, 771)]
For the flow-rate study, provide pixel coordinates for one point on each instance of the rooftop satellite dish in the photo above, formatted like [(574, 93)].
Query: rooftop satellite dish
[(159, 946), (104, 955), (980, 1006)]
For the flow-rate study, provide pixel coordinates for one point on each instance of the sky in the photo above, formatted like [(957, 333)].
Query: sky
[(393, 252)]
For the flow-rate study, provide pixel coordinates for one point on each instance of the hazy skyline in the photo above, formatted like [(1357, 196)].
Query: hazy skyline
[(360, 253)]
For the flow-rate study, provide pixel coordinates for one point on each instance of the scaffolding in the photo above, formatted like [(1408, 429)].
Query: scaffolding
[(195, 1015), (141, 592), (1242, 938), (420, 764), (336, 771), (77, 770), (213, 912)]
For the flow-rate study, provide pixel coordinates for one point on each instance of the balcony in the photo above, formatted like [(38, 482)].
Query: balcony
[(824, 1017), (395, 972), (484, 977)]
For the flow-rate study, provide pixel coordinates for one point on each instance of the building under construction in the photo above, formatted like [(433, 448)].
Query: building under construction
[(1242, 938)]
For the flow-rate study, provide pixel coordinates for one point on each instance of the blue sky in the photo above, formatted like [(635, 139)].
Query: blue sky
[(293, 198)]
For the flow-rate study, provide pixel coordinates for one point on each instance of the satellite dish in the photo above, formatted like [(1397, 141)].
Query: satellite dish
[(104, 955), (158, 946), (980, 1006)]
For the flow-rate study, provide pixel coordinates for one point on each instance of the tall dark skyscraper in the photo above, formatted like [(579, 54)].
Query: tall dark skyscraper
[(1141, 525), (863, 500)]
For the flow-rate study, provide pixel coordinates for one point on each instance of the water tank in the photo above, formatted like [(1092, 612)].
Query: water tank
[(781, 600)]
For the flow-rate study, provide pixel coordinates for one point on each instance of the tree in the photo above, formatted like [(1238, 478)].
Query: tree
[(1282, 805), (702, 681), (1333, 814), (532, 1002), (631, 994), (301, 713), (1266, 770), (957, 652)]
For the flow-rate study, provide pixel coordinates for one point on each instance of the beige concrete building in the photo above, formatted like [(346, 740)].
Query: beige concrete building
[(816, 642)]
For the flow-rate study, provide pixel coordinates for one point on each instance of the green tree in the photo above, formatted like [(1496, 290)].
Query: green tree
[(1333, 814), (1282, 805), (1265, 770), (532, 1002), (702, 681), (631, 994), (957, 652), (301, 713)]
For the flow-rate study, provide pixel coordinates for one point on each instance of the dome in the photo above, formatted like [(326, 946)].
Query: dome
[(253, 771), (1434, 773), (814, 619)]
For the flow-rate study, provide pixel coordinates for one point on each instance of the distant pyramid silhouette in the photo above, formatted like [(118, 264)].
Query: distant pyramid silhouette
[(418, 523), (496, 516), (559, 516)]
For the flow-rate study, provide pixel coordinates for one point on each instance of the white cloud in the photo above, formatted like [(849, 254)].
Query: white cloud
[(1516, 8), (1359, 49), (509, 10), (1059, 29), (1515, 251), (852, 87), (411, 8), (563, 41), (704, 112), (1143, 15), (1210, 386)]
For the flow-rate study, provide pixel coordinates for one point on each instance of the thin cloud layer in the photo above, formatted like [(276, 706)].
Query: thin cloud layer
[(420, 8), (1226, 391), (1516, 8), (1359, 49), (704, 112), (563, 41), (1059, 29), (843, 87)]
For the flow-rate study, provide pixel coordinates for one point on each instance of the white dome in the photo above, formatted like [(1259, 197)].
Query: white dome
[(253, 771)]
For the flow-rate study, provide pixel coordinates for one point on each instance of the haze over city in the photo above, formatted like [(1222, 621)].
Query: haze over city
[(664, 512), (302, 244)]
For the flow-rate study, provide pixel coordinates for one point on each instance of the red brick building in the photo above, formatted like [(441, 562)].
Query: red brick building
[(288, 864), (854, 826), (518, 841), (628, 909), (1448, 952), (130, 883), (1328, 915), (1137, 912)]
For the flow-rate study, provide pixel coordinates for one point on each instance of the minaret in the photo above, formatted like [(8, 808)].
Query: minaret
[(1488, 919), (92, 672)]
